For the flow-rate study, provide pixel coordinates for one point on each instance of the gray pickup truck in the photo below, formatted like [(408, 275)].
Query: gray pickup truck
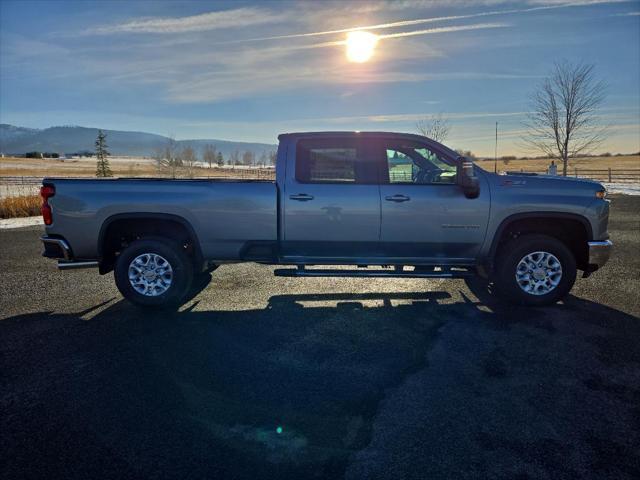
[(388, 204)]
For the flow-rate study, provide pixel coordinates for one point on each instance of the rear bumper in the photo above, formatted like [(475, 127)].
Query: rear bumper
[(56, 248), (59, 249), (599, 253)]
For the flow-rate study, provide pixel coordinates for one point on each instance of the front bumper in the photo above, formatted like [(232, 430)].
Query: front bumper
[(599, 253)]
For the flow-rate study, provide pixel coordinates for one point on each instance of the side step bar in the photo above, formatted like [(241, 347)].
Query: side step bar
[(63, 265), (396, 273)]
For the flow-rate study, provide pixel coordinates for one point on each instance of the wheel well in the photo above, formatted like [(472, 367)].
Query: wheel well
[(572, 232), (120, 232)]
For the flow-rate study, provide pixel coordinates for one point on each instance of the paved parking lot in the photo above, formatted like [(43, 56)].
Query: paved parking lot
[(264, 377)]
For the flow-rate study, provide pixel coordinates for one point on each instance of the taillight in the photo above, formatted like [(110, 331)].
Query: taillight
[(46, 192)]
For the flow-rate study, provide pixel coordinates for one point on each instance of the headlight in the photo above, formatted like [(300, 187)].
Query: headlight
[(602, 194)]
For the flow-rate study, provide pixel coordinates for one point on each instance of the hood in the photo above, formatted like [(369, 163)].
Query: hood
[(535, 177)]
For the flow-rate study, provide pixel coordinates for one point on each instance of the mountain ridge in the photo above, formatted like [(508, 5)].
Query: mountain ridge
[(70, 139)]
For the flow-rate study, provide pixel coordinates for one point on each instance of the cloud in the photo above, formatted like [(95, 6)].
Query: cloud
[(239, 17), (627, 14), (541, 5), (199, 73), (243, 82), (412, 117)]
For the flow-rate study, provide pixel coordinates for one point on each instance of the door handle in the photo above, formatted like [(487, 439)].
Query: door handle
[(397, 198), (301, 197)]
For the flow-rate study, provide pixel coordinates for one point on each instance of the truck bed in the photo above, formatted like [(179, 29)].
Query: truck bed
[(226, 214)]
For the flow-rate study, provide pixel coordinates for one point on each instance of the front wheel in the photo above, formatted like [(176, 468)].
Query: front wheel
[(153, 272), (535, 270)]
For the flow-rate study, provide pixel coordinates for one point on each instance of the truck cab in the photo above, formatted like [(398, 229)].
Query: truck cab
[(377, 198)]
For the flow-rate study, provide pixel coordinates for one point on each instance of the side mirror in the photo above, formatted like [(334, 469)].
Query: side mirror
[(467, 179)]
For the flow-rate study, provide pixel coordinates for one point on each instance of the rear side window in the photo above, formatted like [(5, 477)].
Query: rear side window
[(333, 161), (332, 164)]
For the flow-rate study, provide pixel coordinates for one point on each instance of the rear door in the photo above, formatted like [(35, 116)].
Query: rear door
[(331, 200), (425, 214)]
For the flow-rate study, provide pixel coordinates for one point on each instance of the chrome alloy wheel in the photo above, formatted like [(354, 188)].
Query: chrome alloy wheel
[(539, 273), (150, 274)]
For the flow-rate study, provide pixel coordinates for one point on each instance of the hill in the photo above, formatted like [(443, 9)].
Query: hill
[(19, 140)]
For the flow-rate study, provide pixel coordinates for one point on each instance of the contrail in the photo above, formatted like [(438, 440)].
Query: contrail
[(406, 23), (426, 31), (444, 30)]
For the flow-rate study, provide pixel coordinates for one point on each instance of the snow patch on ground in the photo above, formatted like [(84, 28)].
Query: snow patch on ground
[(6, 223), (624, 188)]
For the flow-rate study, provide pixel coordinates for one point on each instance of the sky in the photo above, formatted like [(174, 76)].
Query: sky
[(248, 71)]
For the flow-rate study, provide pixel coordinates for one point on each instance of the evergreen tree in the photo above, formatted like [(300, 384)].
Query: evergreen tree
[(102, 168), (220, 159)]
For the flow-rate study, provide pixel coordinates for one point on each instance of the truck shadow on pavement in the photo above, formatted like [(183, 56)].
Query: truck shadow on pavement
[(289, 391)]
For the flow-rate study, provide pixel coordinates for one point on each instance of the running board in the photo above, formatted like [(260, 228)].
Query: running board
[(72, 265), (303, 272)]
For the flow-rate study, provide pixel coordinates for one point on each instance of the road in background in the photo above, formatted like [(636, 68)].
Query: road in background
[(263, 377)]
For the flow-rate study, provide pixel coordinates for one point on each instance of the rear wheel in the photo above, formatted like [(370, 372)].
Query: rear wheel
[(154, 272), (535, 270)]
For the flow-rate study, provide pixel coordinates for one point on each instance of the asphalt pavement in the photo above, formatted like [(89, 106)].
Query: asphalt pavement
[(281, 378)]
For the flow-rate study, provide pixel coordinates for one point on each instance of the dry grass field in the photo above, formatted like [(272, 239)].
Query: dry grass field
[(82, 167), (146, 167), (19, 197), (626, 162), (120, 166), (22, 206)]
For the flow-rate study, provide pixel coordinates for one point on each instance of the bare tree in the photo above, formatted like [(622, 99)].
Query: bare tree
[(188, 160), (209, 154), (264, 158), (435, 127), (563, 120), (272, 157), (248, 158), (466, 153), (168, 159), (234, 158)]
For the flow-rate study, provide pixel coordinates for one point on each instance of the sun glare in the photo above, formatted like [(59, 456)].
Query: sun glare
[(360, 46)]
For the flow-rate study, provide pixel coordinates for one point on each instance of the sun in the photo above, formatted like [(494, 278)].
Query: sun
[(360, 46)]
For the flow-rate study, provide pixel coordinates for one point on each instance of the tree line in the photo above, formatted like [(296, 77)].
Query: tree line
[(174, 161)]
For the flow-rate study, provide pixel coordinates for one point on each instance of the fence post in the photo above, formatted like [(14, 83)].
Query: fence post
[(609, 174), (575, 171)]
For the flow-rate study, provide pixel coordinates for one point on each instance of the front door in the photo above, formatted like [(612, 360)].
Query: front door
[(331, 200), (425, 214)]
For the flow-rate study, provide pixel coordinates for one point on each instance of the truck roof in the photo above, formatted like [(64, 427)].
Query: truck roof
[(348, 133), (351, 133)]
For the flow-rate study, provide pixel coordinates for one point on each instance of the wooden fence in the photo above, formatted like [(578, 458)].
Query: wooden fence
[(610, 175), (217, 173)]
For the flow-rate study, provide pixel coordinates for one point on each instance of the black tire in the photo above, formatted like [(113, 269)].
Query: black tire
[(174, 254), (514, 251)]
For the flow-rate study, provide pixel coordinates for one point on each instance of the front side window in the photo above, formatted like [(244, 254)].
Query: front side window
[(419, 165)]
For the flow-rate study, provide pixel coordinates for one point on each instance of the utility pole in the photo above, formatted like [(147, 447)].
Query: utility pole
[(495, 158)]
